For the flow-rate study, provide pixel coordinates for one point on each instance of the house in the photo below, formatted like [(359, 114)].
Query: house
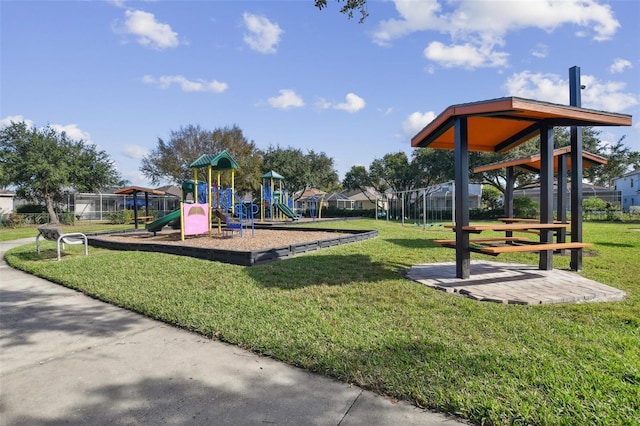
[(629, 187), (367, 199), (338, 201), (6, 201), (309, 200), (609, 195)]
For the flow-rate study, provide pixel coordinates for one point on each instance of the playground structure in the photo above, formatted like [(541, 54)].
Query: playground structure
[(210, 201), (274, 199), (207, 201)]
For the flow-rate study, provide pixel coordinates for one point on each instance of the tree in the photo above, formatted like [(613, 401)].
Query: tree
[(301, 171), (322, 172), (42, 163), (491, 197), (348, 8), (430, 167), (357, 178), (620, 159), (170, 160)]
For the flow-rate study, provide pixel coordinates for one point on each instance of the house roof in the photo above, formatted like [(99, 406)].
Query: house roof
[(498, 125), (311, 193), (135, 189), (171, 190), (336, 196), (532, 163)]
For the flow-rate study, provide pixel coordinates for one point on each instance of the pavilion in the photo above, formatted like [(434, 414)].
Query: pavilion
[(498, 125), (134, 190)]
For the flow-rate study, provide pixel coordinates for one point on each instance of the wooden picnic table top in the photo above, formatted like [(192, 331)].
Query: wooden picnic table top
[(511, 226), (522, 220)]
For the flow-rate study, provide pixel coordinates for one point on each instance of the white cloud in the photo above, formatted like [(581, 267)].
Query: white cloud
[(135, 177), (263, 36), (149, 32), (199, 85), (73, 132), (353, 103), (136, 152), (477, 27), (465, 55), (619, 65), (540, 51), (117, 3), (416, 122), (288, 99), (5, 122), (605, 96)]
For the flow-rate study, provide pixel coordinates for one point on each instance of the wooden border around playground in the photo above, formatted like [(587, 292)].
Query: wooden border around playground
[(242, 257)]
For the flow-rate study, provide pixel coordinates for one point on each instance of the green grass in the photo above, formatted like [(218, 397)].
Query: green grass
[(8, 234), (348, 312)]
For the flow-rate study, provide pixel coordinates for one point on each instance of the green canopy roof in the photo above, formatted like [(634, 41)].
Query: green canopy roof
[(222, 161), (271, 175)]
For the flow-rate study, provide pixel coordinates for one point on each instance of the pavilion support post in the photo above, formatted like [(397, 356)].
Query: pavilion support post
[(546, 193), (146, 204), (508, 196), (562, 197), (135, 209), (576, 171), (508, 193), (461, 144)]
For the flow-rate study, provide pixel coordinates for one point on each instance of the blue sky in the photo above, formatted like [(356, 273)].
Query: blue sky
[(121, 74)]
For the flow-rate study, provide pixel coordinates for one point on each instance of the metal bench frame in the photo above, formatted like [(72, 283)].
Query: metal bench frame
[(55, 234)]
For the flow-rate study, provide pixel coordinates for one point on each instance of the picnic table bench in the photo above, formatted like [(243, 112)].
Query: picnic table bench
[(515, 244), (52, 233), (145, 219)]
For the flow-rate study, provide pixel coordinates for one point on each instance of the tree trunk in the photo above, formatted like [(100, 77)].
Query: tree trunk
[(53, 217)]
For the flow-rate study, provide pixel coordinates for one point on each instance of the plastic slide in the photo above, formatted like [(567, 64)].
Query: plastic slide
[(287, 211), (160, 223)]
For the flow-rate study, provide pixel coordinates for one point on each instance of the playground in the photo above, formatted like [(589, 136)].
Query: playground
[(215, 223), (264, 245)]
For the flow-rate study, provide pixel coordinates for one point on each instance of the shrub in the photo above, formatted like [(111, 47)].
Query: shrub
[(120, 217), (13, 220), (525, 207), (31, 208), (67, 218)]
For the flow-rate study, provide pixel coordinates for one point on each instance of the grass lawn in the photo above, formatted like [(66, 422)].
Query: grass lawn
[(348, 312)]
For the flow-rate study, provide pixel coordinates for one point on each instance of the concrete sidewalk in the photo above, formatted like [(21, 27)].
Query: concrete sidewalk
[(68, 359)]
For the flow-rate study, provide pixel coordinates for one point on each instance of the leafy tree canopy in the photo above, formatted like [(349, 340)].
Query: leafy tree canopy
[(301, 171), (348, 7), (620, 159), (42, 163), (170, 160), (428, 167)]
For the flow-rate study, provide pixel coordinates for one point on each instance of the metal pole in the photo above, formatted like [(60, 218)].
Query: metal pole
[(461, 142), (546, 193), (576, 171)]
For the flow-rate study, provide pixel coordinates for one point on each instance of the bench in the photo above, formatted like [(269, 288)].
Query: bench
[(483, 240), (230, 228), (145, 219), (55, 234), (533, 247)]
